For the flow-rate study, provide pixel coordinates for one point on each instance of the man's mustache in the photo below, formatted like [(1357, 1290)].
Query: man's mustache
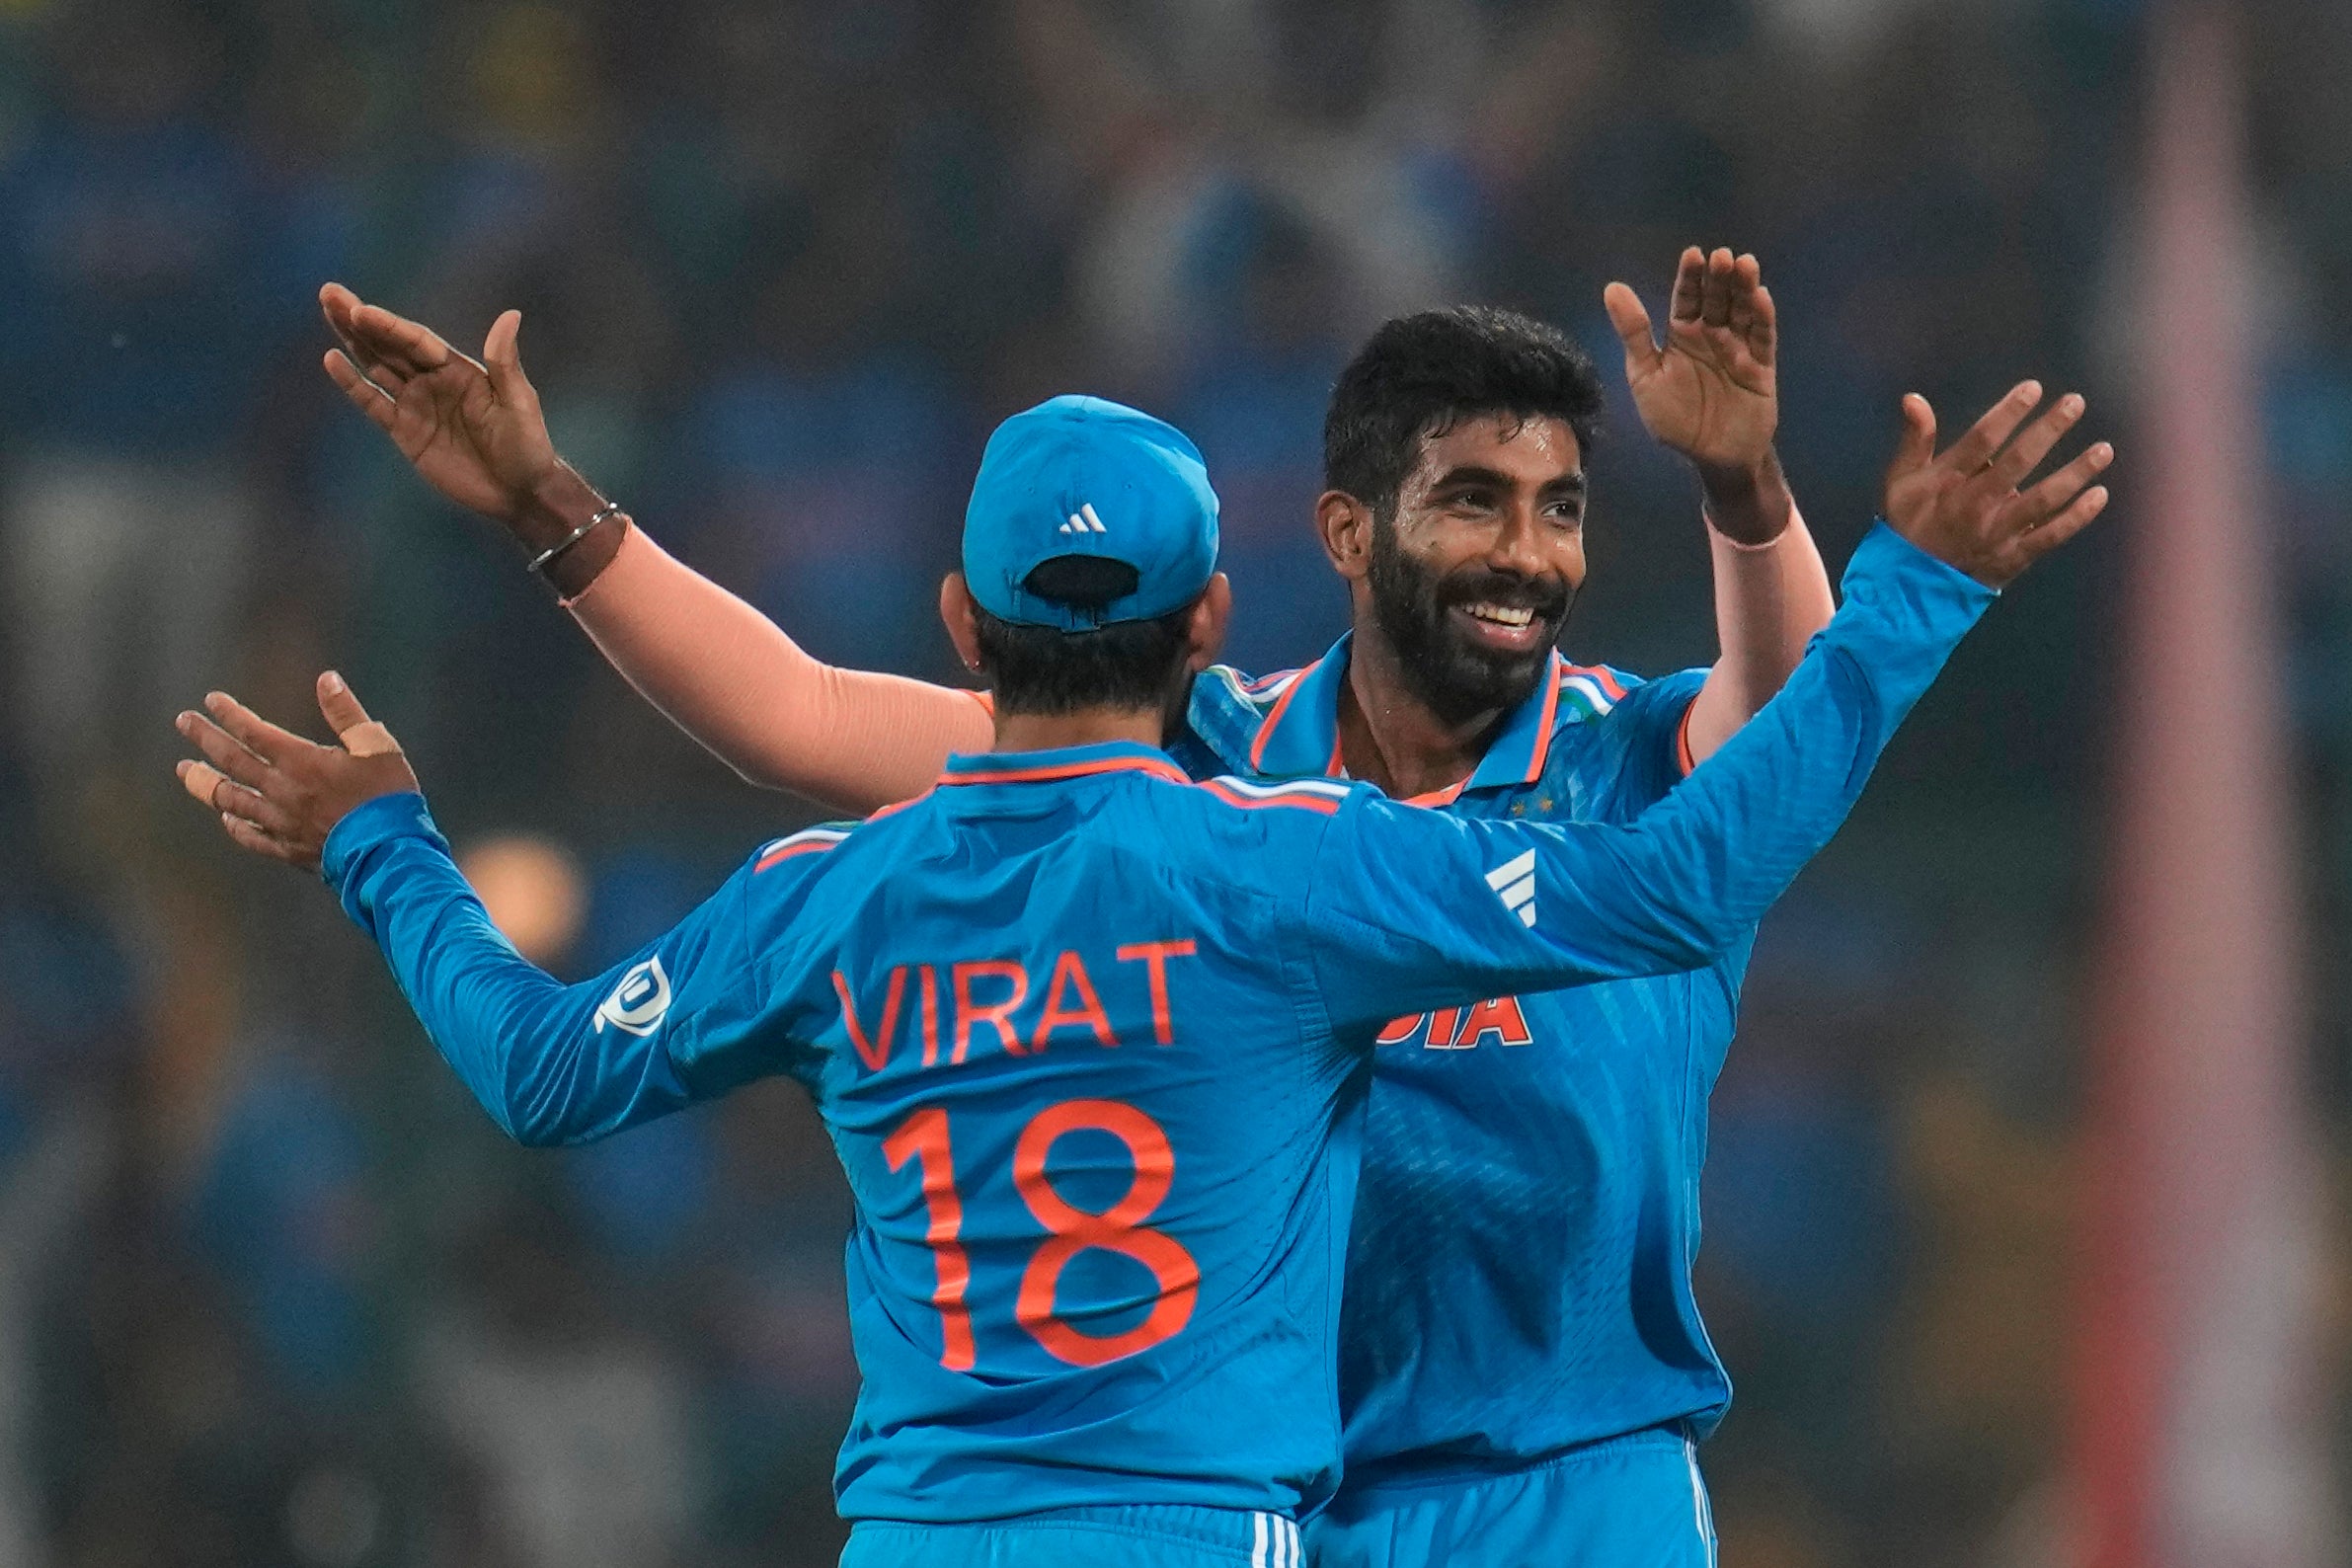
[(1546, 598)]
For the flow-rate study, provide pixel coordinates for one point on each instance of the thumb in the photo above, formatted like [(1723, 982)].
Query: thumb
[(1625, 313), (501, 357), (1917, 447), (361, 735)]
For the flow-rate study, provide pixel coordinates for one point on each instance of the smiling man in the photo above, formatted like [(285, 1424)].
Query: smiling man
[(1524, 1368), (1454, 455)]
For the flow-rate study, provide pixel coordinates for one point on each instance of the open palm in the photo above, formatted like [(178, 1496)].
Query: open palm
[(1971, 507), (1710, 391), (472, 428)]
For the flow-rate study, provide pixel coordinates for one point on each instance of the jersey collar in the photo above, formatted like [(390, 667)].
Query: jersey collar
[(1299, 734), (1062, 763)]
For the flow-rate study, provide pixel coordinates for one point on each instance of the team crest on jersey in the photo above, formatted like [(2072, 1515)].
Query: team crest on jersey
[(1462, 1028), (639, 1003)]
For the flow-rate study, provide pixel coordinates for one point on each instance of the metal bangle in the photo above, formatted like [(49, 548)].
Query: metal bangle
[(612, 509)]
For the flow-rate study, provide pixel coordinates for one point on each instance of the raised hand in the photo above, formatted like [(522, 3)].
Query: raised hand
[(471, 427), (1709, 390), (278, 794), (1965, 508)]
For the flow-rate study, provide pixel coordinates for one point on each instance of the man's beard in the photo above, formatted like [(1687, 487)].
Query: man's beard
[(1451, 675)]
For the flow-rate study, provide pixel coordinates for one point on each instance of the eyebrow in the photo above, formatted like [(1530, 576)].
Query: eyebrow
[(1471, 474)]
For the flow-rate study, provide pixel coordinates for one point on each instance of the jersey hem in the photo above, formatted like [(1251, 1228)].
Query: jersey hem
[(1458, 1472)]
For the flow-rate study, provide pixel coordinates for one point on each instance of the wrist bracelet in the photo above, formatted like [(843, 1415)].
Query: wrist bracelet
[(611, 508)]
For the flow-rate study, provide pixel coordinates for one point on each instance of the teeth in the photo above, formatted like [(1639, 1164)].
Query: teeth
[(1501, 615)]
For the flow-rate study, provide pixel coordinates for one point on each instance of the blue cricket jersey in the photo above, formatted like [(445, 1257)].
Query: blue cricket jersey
[(1519, 1279), (1091, 1041)]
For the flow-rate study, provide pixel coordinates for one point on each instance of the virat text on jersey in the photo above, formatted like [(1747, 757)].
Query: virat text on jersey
[(989, 995)]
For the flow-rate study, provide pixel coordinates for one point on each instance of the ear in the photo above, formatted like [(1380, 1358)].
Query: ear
[(1204, 631), (1345, 525), (959, 612)]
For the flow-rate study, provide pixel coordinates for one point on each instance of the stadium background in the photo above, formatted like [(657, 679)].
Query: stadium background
[(272, 1291)]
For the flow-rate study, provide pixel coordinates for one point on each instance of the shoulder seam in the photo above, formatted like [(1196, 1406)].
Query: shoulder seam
[(1321, 796), (808, 841)]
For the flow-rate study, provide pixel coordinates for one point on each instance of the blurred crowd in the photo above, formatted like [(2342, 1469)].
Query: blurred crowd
[(272, 1292)]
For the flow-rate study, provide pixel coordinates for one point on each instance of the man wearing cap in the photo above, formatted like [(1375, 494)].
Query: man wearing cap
[(1092, 1040)]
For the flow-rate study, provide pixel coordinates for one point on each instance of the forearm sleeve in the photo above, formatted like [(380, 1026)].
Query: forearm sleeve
[(1416, 911), (728, 676), (1769, 600), (552, 1063)]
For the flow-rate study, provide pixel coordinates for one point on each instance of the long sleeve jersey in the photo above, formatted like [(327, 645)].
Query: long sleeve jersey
[(1092, 1039)]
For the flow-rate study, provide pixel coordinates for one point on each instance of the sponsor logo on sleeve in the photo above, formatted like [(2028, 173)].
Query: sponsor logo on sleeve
[(636, 1004), (1513, 882)]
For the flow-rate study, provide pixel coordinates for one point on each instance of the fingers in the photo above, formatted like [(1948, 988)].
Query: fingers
[(2039, 542), (226, 796), (276, 792), (1740, 301), (409, 345), (361, 735), (502, 359), (1763, 327), (2024, 454), (232, 779), (369, 396), (337, 303), (247, 836), (382, 339), (1917, 447), (1715, 289), (1751, 319), (1973, 451), (1625, 313), (363, 329), (200, 780), (1689, 274), (2056, 490), (252, 732), (1721, 289), (222, 751)]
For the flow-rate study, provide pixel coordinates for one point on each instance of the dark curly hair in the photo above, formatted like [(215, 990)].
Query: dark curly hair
[(1422, 374)]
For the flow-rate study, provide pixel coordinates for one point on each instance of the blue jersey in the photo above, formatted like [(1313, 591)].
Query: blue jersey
[(1519, 1280), (1091, 1041)]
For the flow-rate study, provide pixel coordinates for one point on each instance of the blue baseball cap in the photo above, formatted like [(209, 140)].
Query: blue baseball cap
[(1087, 477)]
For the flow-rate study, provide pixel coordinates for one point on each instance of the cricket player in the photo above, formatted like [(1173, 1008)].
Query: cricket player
[(1523, 1368)]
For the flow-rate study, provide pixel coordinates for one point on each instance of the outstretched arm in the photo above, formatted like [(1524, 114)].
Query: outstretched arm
[(715, 666), (1711, 392), (1416, 911), (855, 740), (678, 1021)]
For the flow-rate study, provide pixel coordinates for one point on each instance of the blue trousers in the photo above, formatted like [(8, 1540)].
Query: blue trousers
[(1086, 1537), (1633, 1502)]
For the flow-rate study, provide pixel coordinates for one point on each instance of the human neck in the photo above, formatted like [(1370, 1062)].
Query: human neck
[(1052, 731), (1389, 737)]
